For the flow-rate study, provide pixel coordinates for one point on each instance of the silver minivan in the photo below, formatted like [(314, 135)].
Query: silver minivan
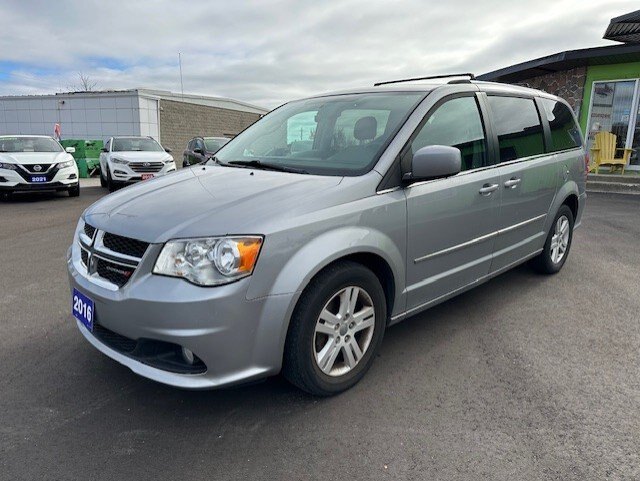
[(323, 223)]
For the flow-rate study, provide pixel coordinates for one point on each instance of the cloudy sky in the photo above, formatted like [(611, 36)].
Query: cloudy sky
[(268, 52)]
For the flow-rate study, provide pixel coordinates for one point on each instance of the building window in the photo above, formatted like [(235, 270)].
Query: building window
[(614, 108)]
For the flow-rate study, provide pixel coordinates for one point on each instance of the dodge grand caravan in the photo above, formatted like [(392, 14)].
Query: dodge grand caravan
[(297, 260)]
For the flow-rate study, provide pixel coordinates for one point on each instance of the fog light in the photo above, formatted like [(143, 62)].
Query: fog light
[(188, 355)]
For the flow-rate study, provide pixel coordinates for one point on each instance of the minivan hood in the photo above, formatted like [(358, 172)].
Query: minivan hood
[(206, 201), (32, 158)]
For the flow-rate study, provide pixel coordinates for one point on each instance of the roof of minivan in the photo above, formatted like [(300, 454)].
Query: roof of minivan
[(428, 87)]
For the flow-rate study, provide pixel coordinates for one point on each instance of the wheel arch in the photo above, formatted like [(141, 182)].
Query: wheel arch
[(568, 194)]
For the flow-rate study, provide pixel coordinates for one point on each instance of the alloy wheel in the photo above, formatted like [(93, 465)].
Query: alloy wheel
[(560, 239), (344, 331)]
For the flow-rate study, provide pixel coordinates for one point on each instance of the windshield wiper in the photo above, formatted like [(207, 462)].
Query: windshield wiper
[(258, 164)]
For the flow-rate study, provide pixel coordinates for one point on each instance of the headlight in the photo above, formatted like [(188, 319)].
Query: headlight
[(116, 160), (8, 166), (168, 161), (65, 164), (209, 261)]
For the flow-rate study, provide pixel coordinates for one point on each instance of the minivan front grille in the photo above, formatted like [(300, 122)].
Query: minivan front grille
[(146, 167), (89, 230), (109, 257), (124, 245), (115, 273)]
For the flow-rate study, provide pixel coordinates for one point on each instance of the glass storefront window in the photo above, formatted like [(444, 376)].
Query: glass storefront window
[(635, 145), (613, 110)]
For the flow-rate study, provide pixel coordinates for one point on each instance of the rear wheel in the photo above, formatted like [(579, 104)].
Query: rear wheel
[(556, 248), (336, 329)]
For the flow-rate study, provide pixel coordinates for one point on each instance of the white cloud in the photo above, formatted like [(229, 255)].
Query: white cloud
[(268, 52)]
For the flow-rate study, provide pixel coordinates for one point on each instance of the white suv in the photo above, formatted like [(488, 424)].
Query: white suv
[(36, 163), (125, 160)]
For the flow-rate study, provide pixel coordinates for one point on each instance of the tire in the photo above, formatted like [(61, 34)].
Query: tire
[(309, 335), (74, 191), (103, 181), (548, 261)]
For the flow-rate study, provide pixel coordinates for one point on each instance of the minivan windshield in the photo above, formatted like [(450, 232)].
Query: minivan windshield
[(133, 144), (29, 144), (333, 135)]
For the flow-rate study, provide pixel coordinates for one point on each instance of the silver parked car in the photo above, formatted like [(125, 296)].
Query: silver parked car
[(297, 259)]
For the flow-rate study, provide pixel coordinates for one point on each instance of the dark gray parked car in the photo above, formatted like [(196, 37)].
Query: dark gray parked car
[(201, 149), (394, 199)]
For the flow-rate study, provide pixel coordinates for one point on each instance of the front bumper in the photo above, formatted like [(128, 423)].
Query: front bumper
[(123, 173), (238, 340), (12, 181)]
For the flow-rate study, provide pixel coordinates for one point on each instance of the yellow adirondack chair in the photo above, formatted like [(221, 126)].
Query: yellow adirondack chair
[(604, 151)]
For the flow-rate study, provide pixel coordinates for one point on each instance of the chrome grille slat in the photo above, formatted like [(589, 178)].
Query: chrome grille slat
[(146, 167)]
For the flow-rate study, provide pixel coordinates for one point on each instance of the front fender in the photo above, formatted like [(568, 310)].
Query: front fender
[(330, 246)]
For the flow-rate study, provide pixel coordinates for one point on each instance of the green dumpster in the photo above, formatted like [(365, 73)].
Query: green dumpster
[(82, 168)]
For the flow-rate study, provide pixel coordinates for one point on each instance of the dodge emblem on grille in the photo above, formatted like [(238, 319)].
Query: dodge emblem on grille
[(122, 272), (37, 168)]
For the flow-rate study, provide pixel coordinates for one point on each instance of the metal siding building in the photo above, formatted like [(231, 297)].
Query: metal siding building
[(102, 114)]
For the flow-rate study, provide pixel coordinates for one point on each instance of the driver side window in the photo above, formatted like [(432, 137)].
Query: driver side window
[(456, 123)]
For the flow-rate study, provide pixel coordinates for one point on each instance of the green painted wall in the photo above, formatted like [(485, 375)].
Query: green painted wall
[(595, 73)]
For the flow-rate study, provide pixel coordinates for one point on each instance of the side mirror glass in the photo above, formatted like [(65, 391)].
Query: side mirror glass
[(198, 151), (104, 149), (70, 150), (434, 162)]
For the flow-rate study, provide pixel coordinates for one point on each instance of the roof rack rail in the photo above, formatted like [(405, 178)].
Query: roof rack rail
[(470, 75)]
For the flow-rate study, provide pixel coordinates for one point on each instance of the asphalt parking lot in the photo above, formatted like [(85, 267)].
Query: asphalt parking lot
[(526, 377)]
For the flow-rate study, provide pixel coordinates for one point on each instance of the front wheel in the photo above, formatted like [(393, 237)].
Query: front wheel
[(103, 181), (111, 185), (556, 248), (336, 330), (74, 191)]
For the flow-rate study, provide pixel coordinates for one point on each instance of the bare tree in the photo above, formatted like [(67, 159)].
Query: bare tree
[(83, 84)]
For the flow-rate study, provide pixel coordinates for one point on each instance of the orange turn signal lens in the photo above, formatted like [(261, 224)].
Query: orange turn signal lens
[(249, 250)]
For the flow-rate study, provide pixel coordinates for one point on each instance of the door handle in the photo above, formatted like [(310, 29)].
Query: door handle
[(488, 188), (512, 183)]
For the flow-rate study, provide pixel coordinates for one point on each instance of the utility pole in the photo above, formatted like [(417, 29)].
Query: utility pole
[(181, 84)]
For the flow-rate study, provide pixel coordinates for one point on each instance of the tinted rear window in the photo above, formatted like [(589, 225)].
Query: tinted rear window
[(565, 133), (518, 127)]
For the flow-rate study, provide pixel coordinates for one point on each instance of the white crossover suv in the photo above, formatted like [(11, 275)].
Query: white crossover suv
[(125, 160), (36, 163)]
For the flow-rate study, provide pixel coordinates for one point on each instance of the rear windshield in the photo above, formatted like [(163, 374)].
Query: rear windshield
[(29, 144), (333, 135), (565, 133), (136, 145), (212, 145)]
